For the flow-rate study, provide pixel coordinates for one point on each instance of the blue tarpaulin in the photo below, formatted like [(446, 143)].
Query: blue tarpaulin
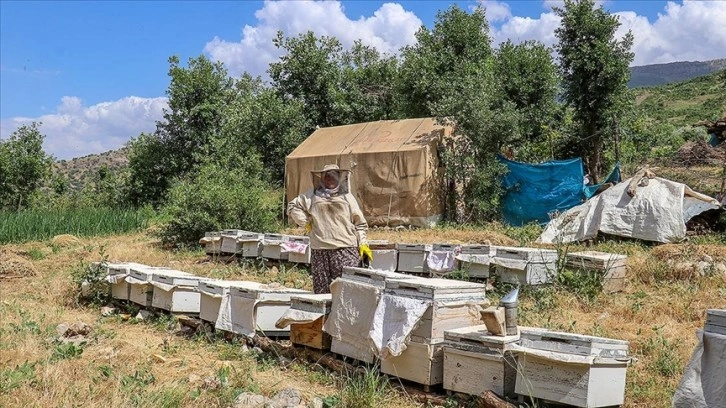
[(534, 191)]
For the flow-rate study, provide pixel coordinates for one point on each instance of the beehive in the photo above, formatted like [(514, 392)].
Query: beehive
[(141, 290), (303, 258), (475, 260), (573, 369), (176, 291), (250, 244), (421, 363), (525, 266), (442, 259), (385, 255), (370, 283), (412, 258), (116, 274), (476, 361), (271, 248), (212, 242), (211, 293), (612, 266), (230, 245), (258, 309), (311, 334)]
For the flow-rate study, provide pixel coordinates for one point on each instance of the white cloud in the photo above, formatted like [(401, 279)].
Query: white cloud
[(690, 31), (496, 10), (76, 130), (388, 29)]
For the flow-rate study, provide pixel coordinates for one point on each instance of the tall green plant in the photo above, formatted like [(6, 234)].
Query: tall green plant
[(23, 166)]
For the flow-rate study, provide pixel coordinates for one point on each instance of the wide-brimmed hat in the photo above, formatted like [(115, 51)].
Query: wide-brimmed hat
[(330, 167)]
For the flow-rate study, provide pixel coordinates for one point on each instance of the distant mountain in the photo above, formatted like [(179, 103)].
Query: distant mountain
[(661, 74), (82, 170)]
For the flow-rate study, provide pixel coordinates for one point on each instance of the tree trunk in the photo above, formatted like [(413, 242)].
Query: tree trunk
[(594, 162)]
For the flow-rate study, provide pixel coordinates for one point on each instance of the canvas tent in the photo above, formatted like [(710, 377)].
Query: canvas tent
[(396, 174)]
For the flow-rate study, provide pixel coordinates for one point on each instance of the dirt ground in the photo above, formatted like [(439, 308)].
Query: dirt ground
[(127, 363)]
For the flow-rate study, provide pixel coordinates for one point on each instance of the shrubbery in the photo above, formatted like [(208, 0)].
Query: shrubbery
[(218, 198)]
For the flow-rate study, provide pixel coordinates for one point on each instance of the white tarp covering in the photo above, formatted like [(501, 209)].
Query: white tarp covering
[(237, 315), (296, 316), (658, 212), (704, 380), (354, 305), (393, 321), (441, 261)]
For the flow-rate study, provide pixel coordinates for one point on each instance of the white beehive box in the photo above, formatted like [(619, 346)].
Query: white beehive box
[(715, 321), (412, 258), (250, 244), (116, 274), (385, 255), (476, 361), (475, 260), (578, 370), (230, 243), (141, 290), (212, 242), (271, 247), (421, 363), (303, 258), (525, 266), (452, 304), (258, 309), (360, 349), (612, 266), (211, 293), (176, 292)]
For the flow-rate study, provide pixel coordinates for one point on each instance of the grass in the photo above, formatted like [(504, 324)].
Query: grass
[(658, 314), (35, 225)]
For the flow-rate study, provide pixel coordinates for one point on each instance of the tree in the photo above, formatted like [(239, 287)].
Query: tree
[(594, 67), (23, 166)]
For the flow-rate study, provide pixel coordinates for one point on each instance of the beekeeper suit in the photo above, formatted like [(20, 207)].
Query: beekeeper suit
[(335, 224)]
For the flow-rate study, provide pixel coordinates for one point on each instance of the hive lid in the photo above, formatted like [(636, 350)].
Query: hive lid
[(478, 336), (413, 247), (445, 247), (122, 267), (596, 259), (477, 250), (219, 285), (527, 254), (579, 344), (250, 237), (325, 298), (146, 272), (372, 274)]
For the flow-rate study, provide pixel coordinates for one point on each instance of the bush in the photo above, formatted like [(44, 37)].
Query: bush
[(217, 199)]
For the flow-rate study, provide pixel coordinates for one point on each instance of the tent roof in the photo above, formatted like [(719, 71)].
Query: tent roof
[(371, 137)]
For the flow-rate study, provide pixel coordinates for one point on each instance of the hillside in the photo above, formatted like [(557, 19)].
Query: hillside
[(661, 74), (81, 170), (684, 103)]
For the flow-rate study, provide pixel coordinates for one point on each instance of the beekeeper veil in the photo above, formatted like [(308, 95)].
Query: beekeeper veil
[(330, 181)]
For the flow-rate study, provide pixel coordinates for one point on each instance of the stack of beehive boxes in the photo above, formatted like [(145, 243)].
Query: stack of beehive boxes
[(612, 267), (257, 309), (450, 304), (412, 258), (176, 291), (525, 266), (476, 260)]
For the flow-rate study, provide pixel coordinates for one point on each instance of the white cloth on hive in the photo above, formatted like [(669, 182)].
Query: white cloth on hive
[(394, 319), (133, 281), (114, 279), (163, 286), (441, 261), (237, 315), (297, 316), (294, 247), (351, 314), (703, 384)]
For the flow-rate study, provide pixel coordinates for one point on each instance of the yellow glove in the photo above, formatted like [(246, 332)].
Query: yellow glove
[(365, 252), (309, 226)]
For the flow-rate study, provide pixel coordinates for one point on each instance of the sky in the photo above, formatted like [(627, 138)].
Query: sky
[(95, 72)]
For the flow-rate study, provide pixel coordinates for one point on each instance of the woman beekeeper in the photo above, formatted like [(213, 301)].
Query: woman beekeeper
[(335, 223)]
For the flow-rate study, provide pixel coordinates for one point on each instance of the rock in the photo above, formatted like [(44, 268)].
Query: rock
[(683, 267), (143, 315), (317, 402), (719, 268), (108, 311), (287, 398), (85, 288), (61, 329), (707, 258), (77, 329), (158, 358), (257, 350), (703, 268), (250, 400), (244, 348)]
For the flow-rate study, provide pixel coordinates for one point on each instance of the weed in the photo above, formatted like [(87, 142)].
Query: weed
[(586, 285), (36, 254), (63, 351), (12, 378), (139, 379), (458, 274), (90, 286), (368, 389), (666, 361)]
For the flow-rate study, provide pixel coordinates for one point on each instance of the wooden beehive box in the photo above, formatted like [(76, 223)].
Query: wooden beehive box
[(525, 266), (271, 247), (385, 255), (421, 363), (116, 274), (715, 321), (452, 304), (258, 309), (303, 258), (475, 260), (412, 258), (612, 266), (211, 293), (141, 290), (476, 361), (311, 334), (250, 244), (566, 368)]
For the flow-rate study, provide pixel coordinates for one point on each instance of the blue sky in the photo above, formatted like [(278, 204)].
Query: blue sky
[(95, 73)]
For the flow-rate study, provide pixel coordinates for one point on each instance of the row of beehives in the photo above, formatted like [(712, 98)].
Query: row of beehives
[(519, 265), (425, 330)]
